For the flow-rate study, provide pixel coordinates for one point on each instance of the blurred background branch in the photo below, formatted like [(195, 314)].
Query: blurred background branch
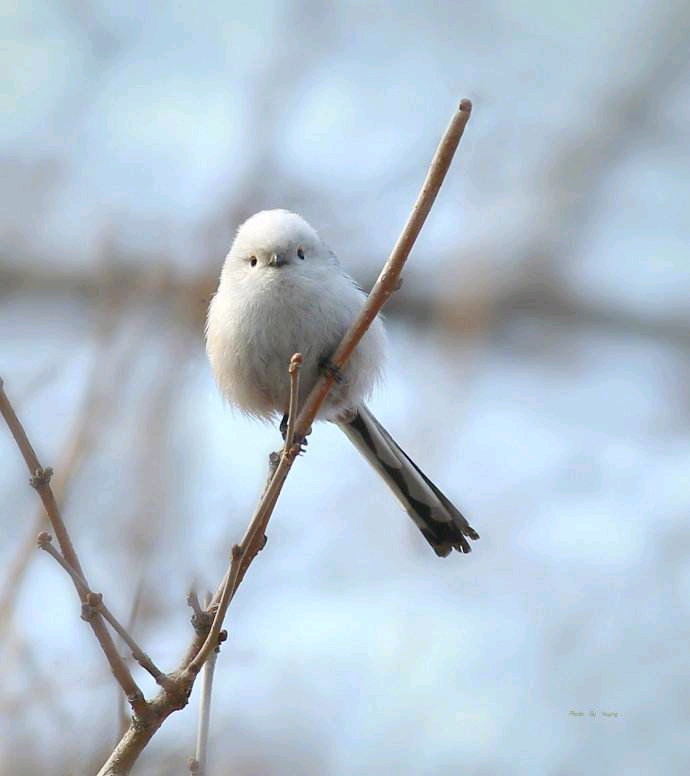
[(548, 295)]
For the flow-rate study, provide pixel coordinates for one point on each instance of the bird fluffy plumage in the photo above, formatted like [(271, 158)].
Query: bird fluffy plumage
[(282, 291)]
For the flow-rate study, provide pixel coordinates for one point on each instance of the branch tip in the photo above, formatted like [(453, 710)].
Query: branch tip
[(390, 273), (193, 602), (244, 553), (293, 369)]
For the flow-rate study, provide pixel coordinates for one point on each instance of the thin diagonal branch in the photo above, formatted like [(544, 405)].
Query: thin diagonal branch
[(40, 480), (255, 537), (295, 364), (385, 286), (197, 766), (169, 700), (388, 280), (94, 601)]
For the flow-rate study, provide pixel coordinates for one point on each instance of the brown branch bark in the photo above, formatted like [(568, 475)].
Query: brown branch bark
[(40, 480), (388, 280), (386, 285), (178, 685), (94, 602)]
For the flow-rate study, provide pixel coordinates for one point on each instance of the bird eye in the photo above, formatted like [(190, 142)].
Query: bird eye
[(300, 252), (252, 261)]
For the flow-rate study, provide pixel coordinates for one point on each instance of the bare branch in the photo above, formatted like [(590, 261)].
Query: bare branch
[(40, 480), (94, 407), (385, 286), (94, 601), (295, 364), (388, 280), (175, 695), (197, 766)]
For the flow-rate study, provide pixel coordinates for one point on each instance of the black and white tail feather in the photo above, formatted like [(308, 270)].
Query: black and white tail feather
[(442, 525)]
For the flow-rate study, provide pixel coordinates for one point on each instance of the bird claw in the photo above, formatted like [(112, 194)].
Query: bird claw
[(283, 426), (301, 442)]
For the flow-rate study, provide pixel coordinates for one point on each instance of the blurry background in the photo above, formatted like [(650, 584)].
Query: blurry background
[(538, 371)]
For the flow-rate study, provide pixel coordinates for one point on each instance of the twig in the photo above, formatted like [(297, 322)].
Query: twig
[(385, 286), (94, 602), (137, 736), (295, 364), (195, 605), (45, 542), (93, 408), (40, 480), (197, 766), (122, 714), (388, 279), (254, 538)]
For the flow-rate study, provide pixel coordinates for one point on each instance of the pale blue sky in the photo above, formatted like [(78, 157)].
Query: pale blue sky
[(353, 650)]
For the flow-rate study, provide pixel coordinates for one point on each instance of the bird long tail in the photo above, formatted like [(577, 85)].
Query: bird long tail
[(441, 523)]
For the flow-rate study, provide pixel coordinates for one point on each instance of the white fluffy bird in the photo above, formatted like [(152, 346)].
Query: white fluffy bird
[(282, 291)]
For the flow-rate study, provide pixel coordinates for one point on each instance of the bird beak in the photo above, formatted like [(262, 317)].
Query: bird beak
[(277, 260)]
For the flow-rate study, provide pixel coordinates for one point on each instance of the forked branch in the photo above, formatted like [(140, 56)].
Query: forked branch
[(40, 480), (178, 685)]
